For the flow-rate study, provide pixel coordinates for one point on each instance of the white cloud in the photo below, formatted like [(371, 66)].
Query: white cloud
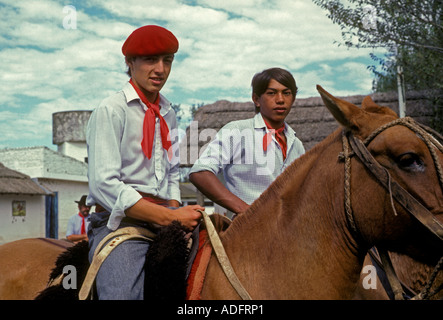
[(223, 43)]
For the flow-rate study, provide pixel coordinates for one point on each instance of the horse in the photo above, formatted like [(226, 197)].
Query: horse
[(307, 235), (415, 279), (298, 240), (25, 266)]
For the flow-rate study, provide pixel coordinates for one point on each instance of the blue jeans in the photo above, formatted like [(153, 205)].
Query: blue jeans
[(122, 274)]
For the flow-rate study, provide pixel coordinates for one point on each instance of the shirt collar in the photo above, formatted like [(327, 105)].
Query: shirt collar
[(132, 95), (259, 123)]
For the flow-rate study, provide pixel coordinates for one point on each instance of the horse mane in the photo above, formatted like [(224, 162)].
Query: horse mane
[(166, 265), (76, 256)]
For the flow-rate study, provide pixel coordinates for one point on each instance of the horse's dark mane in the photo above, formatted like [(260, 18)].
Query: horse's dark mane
[(166, 264), (76, 256)]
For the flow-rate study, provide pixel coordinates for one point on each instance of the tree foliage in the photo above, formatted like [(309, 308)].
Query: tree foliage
[(411, 31), (387, 23)]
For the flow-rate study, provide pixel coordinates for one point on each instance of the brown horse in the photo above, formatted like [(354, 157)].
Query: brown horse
[(413, 275), (416, 275), (297, 241), (25, 266)]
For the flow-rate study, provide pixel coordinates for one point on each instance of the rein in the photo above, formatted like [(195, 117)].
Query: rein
[(222, 258), (353, 146)]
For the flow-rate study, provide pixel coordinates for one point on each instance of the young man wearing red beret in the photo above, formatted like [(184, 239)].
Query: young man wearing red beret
[(133, 173)]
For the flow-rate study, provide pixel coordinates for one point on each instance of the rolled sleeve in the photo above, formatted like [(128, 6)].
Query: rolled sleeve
[(248, 168), (126, 199), (212, 157)]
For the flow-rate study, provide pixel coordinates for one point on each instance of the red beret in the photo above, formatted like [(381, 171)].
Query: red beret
[(150, 40)]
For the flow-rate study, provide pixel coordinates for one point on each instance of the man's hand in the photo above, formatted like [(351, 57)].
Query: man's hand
[(154, 213), (189, 216)]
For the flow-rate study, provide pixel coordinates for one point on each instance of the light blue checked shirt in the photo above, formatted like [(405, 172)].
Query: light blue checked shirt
[(237, 152)]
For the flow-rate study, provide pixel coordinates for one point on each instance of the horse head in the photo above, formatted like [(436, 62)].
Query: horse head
[(409, 158)]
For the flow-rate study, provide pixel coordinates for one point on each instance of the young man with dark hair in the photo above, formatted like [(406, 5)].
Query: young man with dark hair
[(251, 153)]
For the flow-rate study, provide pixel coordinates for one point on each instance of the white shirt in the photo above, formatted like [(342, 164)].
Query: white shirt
[(75, 225), (237, 151), (118, 169)]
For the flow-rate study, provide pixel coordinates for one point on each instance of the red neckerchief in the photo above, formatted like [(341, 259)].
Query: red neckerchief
[(268, 137), (149, 125), (83, 228)]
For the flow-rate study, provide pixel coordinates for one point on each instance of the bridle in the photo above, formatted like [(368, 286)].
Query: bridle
[(354, 146)]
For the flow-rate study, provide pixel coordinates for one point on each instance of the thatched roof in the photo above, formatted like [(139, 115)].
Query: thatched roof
[(308, 117), (14, 182)]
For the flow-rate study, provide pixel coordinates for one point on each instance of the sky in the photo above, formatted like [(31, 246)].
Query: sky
[(66, 55)]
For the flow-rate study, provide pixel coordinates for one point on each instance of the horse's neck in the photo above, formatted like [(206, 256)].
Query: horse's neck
[(295, 235)]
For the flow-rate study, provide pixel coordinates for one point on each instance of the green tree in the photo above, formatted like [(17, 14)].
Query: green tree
[(412, 33)]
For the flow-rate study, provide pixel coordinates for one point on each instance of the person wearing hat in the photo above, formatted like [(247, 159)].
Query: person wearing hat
[(133, 171), (78, 223)]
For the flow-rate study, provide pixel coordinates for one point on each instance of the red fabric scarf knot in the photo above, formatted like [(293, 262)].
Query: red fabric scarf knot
[(149, 125), (268, 138)]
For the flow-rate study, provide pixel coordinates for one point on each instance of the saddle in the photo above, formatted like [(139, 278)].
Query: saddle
[(174, 269)]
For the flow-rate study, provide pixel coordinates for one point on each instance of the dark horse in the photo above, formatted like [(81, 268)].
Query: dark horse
[(307, 236)]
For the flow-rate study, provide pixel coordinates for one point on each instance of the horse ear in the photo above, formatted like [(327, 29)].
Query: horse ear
[(343, 111), (370, 106), (368, 103)]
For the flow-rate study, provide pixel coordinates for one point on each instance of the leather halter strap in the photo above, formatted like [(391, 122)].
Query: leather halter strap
[(404, 198)]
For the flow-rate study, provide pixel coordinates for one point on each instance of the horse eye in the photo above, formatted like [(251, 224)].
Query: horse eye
[(410, 161)]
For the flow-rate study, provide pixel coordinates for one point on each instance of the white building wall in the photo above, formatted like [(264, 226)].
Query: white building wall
[(68, 193), (77, 150), (56, 172), (32, 225)]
